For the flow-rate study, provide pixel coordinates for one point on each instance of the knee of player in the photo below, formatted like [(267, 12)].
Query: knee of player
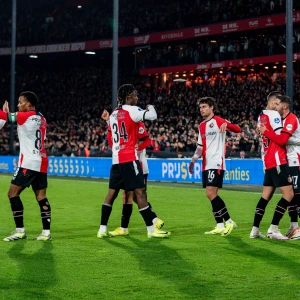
[(111, 196), (140, 194), (289, 196), (211, 194), (12, 194)]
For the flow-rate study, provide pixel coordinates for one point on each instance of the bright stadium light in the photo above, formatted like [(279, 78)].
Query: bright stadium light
[(179, 80), (90, 52), (33, 56), (79, 6)]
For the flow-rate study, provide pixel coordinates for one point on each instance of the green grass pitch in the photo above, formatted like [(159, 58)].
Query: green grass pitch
[(188, 265)]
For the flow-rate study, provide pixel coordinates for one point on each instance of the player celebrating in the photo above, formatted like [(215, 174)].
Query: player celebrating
[(129, 197), (32, 164), (211, 145), (126, 172), (289, 137), (277, 173)]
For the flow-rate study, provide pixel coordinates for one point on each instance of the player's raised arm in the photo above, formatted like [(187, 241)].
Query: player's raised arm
[(150, 113), (139, 115), (233, 128)]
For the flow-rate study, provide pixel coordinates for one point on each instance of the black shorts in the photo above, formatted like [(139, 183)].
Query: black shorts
[(278, 176), (212, 177), (295, 172), (127, 176), (25, 178)]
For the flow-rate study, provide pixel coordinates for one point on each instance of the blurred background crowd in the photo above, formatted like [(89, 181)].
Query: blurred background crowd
[(73, 101), (74, 91)]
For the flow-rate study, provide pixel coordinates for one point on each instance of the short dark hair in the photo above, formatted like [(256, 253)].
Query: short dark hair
[(207, 100), (273, 94), (285, 99), (30, 97), (124, 91)]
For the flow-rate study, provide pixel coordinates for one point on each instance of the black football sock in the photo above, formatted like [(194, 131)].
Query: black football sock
[(219, 210), (105, 213), (260, 211), (126, 214), (292, 209), (153, 213), (279, 211), (147, 215), (45, 213), (297, 196), (17, 210)]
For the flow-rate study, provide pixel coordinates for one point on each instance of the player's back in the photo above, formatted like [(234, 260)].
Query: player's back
[(274, 154), (292, 128), (142, 134), (32, 134), (124, 130)]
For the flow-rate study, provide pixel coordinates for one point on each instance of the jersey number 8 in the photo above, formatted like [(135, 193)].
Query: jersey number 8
[(38, 141)]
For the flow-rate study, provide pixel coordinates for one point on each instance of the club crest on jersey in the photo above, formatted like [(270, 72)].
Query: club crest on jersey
[(289, 127), (277, 120), (211, 125), (141, 130)]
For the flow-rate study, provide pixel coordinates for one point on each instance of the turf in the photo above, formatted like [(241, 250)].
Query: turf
[(188, 265)]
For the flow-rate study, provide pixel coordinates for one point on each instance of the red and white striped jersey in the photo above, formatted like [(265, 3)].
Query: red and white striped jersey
[(32, 134), (142, 134), (273, 154), (2, 123), (124, 126), (292, 128), (213, 142)]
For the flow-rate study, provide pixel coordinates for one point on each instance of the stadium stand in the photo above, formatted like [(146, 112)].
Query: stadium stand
[(59, 21), (75, 95), (73, 100)]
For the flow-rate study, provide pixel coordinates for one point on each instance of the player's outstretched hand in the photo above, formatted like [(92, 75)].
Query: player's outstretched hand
[(105, 115), (5, 107), (223, 127), (191, 167)]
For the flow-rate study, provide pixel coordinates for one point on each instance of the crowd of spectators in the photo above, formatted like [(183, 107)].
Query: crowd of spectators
[(217, 49), (51, 21), (73, 100)]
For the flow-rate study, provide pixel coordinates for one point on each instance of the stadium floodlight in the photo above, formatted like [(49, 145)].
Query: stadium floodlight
[(90, 52), (33, 56), (179, 80), (79, 6)]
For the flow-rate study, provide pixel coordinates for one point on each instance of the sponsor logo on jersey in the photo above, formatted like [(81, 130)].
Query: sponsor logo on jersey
[(289, 127), (277, 120), (121, 115), (35, 119), (209, 133)]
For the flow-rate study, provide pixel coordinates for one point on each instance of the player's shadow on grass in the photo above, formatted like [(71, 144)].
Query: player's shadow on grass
[(156, 259), (36, 271), (266, 255)]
